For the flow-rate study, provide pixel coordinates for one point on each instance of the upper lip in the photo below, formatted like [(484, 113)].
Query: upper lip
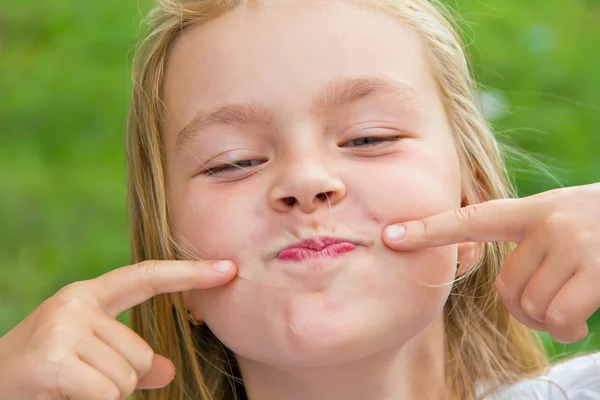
[(317, 243)]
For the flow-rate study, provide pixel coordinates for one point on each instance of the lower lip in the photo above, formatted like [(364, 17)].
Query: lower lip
[(302, 254)]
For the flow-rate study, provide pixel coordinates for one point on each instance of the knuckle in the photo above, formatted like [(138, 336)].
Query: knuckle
[(144, 362), (467, 213), (112, 392), (55, 329), (46, 396), (69, 293), (503, 290), (45, 388), (509, 296), (583, 240), (147, 268), (557, 221), (424, 224), (594, 265), (69, 300), (131, 384), (548, 195)]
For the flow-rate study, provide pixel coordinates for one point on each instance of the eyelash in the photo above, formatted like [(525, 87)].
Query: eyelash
[(235, 164)]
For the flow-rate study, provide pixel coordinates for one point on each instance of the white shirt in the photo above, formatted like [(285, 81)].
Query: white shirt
[(575, 379)]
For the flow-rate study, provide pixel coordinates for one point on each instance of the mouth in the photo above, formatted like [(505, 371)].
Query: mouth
[(316, 248)]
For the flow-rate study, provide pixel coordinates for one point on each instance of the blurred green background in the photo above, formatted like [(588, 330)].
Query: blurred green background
[(64, 91)]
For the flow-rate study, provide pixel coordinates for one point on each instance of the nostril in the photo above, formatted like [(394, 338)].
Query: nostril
[(290, 201), (325, 195)]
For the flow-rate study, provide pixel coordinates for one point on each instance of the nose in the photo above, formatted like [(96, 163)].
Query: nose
[(307, 188)]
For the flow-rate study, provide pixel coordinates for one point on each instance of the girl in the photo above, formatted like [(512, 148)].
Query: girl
[(285, 136)]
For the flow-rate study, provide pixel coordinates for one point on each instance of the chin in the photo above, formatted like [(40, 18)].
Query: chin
[(323, 344), (318, 332), (357, 315)]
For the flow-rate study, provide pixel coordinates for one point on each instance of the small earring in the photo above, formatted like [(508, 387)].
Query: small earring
[(457, 264), (193, 320)]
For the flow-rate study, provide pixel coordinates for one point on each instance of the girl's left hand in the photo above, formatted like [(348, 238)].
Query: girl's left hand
[(551, 281)]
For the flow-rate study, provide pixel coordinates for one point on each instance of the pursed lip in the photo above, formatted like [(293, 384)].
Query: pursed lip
[(322, 246), (317, 243)]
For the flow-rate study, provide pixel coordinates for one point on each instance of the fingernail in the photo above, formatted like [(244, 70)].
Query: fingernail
[(114, 393), (133, 378), (531, 310), (556, 316), (222, 266), (395, 232)]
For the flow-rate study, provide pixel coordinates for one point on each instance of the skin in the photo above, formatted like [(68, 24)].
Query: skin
[(373, 315), (368, 322), (71, 346), (549, 282)]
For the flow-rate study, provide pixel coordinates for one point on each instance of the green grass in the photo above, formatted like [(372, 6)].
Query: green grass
[(64, 89)]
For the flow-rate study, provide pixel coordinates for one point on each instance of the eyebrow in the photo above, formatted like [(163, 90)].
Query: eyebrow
[(230, 114), (347, 91), (336, 94)]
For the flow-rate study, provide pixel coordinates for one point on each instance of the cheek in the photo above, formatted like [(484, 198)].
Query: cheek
[(408, 189), (219, 226), (422, 277), (430, 274)]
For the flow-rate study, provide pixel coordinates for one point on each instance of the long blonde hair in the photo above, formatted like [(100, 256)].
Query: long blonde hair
[(485, 344)]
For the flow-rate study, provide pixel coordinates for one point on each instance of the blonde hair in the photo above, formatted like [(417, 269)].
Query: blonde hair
[(485, 344)]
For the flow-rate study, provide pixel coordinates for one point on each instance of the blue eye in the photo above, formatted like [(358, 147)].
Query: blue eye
[(235, 165), (371, 140)]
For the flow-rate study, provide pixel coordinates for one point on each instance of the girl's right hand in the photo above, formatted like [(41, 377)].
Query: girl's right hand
[(72, 346)]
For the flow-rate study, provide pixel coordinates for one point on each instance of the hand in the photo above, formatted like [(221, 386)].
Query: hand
[(550, 281), (72, 347)]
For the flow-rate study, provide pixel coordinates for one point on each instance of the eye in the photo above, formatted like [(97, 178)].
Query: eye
[(232, 166), (367, 141)]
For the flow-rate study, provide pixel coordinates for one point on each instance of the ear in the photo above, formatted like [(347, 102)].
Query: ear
[(469, 254), (188, 298)]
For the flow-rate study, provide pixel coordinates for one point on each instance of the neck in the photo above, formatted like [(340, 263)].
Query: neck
[(414, 370)]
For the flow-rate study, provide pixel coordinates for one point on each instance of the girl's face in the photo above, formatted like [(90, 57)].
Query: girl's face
[(333, 118)]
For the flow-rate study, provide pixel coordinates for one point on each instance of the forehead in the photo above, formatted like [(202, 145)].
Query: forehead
[(283, 55)]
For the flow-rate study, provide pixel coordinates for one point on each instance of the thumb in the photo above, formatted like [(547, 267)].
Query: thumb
[(160, 375)]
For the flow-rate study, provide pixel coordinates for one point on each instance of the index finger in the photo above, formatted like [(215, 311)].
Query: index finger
[(125, 287), (504, 220)]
